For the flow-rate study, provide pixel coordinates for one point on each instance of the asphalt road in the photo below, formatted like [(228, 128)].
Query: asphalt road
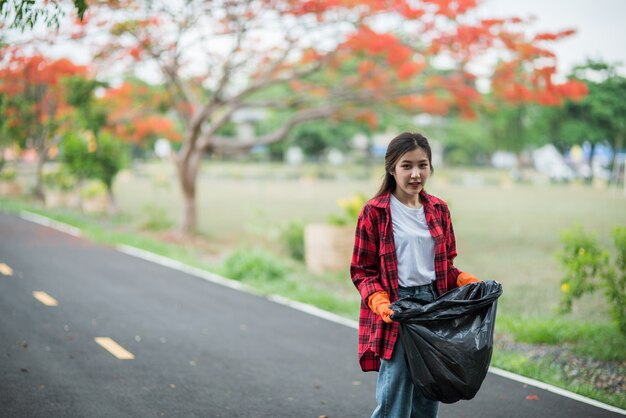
[(199, 349)]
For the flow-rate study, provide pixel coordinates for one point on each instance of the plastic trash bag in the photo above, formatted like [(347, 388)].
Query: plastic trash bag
[(448, 342)]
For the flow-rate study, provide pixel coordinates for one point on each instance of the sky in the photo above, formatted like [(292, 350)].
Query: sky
[(601, 31), (600, 24)]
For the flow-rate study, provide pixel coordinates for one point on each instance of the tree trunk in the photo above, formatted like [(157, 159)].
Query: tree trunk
[(111, 206), (41, 160), (187, 175)]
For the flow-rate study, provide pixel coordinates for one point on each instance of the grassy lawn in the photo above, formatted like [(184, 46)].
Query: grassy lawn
[(509, 233), (506, 234)]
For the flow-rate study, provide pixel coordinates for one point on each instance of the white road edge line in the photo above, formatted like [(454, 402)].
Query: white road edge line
[(554, 389), (320, 313), (303, 307), (50, 223)]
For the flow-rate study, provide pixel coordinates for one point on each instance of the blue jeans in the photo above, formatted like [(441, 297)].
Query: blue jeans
[(396, 396)]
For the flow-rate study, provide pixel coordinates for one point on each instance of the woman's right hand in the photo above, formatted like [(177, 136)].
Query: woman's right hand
[(380, 304)]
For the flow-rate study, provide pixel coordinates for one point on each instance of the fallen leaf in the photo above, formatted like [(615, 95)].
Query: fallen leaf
[(532, 398)]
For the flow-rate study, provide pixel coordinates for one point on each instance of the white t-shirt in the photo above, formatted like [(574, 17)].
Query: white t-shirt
[(415, 247)]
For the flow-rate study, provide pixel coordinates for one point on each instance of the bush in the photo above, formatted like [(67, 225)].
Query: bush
[(93, 190), (89, 157), (60, 179), (155, 218), (589, 267), (254, 264), (292, 236), (7, 174)]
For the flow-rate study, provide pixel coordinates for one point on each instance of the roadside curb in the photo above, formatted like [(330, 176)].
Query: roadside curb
[(303, 307)]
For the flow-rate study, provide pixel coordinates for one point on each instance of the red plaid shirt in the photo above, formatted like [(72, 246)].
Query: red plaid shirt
[(374, 268)]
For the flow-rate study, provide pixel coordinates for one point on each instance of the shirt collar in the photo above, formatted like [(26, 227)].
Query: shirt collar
[(384, 200)]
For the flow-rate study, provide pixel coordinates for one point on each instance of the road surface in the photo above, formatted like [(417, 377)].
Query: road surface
[(88, 331)]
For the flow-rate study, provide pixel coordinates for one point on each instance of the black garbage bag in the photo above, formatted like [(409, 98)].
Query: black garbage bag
[(448, 342)]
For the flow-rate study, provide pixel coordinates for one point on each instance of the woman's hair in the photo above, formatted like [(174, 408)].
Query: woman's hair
[(400, 145)]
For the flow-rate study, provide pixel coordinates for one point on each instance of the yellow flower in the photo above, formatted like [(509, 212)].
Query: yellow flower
[(92, 145), (581, 252), (565, 287)]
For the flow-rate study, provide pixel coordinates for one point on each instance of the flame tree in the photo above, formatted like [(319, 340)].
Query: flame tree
[(312, 59), (36, 110)]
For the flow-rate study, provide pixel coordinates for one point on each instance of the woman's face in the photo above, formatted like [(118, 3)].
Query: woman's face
[(411, 173)]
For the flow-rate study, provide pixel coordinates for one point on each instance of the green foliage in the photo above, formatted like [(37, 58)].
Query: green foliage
[(466, 142), (155, 219), (292, 236), (254, 265), (25, 14), (80, 95), (600, 341), (93, 189), (7, 174), (317, 137), (601, 115), (88, 157), (588, 267), (60, 179)]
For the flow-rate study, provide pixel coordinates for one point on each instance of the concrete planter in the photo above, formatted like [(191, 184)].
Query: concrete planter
[(328, 248), (61, 199), (10, 188), (96, 204)]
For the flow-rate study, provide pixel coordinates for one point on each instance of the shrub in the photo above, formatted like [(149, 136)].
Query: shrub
[(254, 264), (89, 157), (93, 190), (589, 267), (60, 179), (292, 236), (155, 218), (7, 174)]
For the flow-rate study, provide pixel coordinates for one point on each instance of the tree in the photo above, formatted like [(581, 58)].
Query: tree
[(98, 158), (137, 113), (37, 108), (341, 58), (88, 151), (25, 14), (600, 116)]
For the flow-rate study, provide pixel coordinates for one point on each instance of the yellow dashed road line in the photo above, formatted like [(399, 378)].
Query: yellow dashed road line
[(45, 298), (6, 270), (114, 348)]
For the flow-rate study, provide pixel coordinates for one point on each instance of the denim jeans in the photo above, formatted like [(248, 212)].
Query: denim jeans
[(396, 396)]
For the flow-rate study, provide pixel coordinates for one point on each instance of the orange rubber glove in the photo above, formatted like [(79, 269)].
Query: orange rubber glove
[(379, 304), (465, 278)]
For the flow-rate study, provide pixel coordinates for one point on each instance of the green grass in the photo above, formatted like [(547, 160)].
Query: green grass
[(507, 234), (601, 341), (548, 372)]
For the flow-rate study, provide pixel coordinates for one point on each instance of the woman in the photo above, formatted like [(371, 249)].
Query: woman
[(404, 246)]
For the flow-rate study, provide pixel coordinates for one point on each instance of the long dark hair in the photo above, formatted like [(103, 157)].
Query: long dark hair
[(400, 145)]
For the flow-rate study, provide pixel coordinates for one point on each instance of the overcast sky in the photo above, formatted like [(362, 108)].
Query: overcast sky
[(600, 24)]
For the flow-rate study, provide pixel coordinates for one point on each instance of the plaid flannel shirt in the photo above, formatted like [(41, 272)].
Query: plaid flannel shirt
[(374, 267)]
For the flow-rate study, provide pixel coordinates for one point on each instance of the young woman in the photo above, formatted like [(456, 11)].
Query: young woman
[(404, 246)]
